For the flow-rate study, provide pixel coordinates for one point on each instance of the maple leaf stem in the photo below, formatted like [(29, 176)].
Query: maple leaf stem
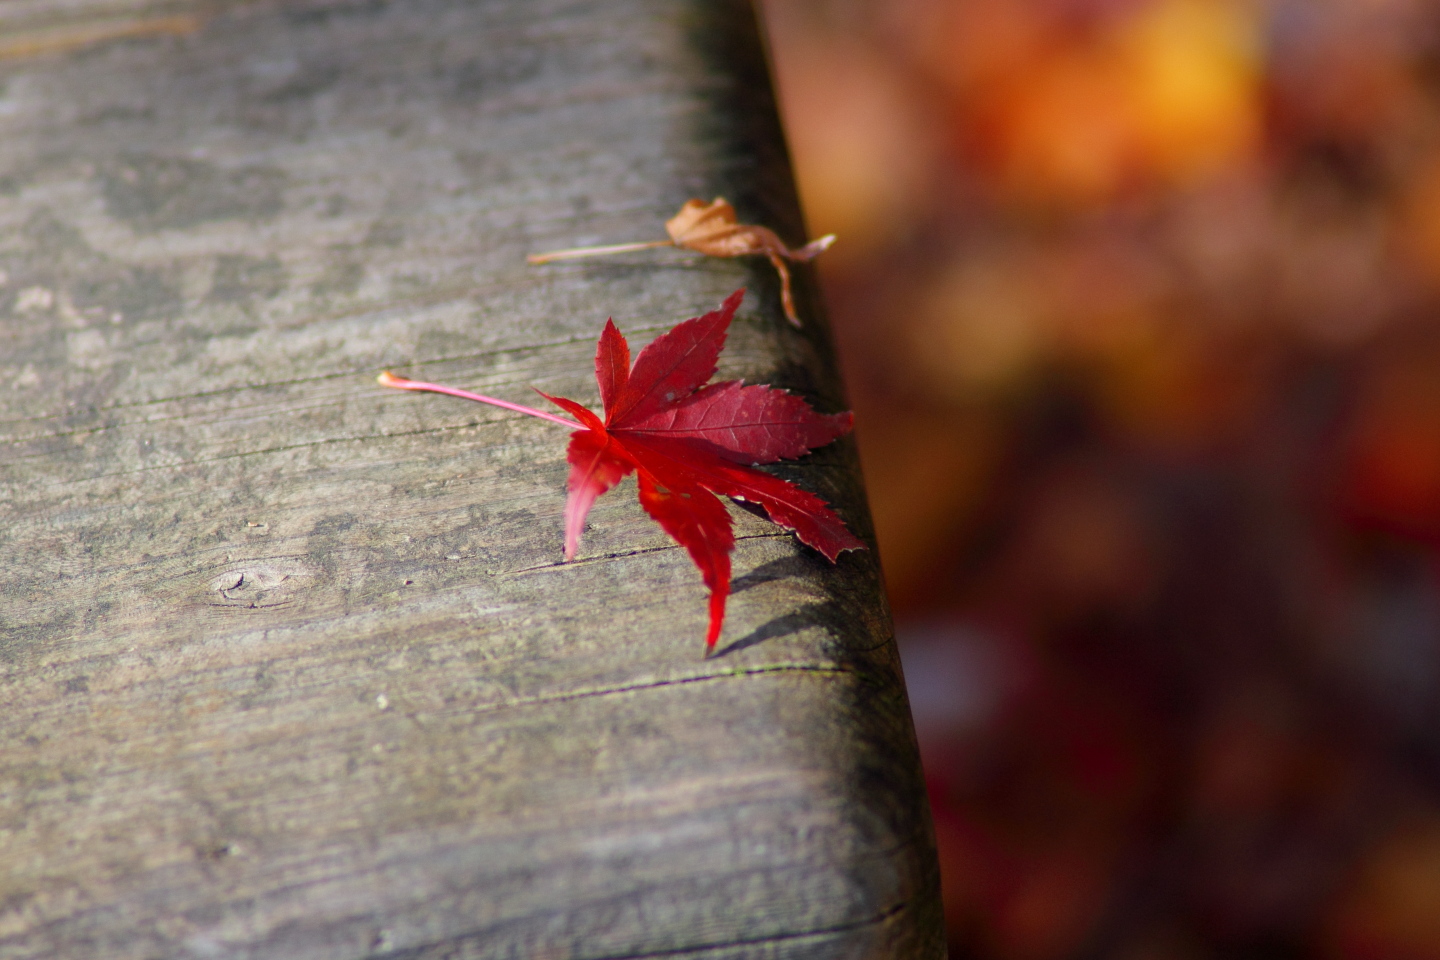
[(812, 249), (388, 379), (575, 253)]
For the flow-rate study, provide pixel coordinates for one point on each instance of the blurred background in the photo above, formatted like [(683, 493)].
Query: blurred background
[(1139, 302)]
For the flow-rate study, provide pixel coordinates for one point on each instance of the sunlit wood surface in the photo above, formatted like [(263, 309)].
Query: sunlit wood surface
[(289, 664)]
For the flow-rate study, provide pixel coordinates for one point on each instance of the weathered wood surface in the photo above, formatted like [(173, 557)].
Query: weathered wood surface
[(289, 663)]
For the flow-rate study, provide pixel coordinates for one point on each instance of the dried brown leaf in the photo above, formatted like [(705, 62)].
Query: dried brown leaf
[(714, 230)]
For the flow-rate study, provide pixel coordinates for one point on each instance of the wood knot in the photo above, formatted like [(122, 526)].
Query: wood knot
[(257, 585)]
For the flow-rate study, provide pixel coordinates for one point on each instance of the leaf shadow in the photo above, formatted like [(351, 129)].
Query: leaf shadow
[(810, 615), (781, 569), (829, 614)]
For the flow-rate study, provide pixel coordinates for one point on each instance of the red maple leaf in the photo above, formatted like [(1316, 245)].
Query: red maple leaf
[(686, 441)]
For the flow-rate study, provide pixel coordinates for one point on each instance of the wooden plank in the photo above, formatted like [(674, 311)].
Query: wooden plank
[(289, 664)]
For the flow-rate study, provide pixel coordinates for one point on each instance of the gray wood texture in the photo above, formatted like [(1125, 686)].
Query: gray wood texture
[(290, 666)]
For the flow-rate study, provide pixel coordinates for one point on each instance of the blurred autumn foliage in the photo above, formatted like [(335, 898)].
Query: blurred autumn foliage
[(1139, 302)]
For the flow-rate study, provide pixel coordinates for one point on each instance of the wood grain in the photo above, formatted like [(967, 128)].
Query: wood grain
[(289, 663)]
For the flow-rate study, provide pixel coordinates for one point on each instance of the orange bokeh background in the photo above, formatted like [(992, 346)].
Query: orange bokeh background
[(1139, 304)]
